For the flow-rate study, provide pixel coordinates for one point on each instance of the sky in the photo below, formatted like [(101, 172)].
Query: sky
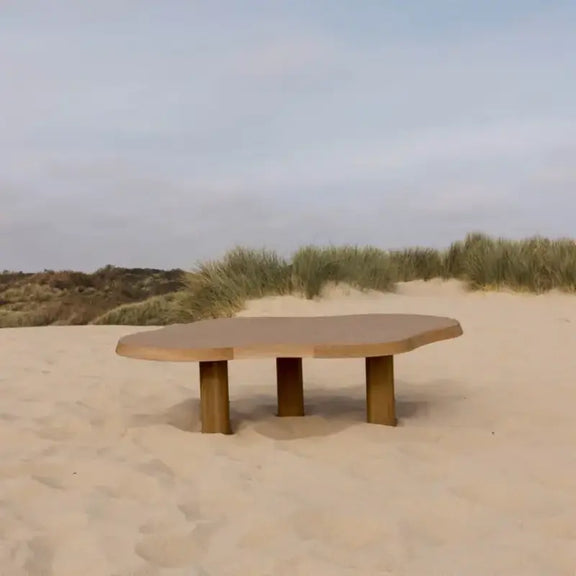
[(161, 134)]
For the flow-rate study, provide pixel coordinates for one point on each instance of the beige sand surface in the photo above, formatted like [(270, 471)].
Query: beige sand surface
[(103, 470)]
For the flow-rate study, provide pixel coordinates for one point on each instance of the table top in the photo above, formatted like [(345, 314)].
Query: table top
[(351, 336)]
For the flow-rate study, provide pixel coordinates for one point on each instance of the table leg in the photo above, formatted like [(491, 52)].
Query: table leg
[(214, 398), (380, 403), (290, 386)]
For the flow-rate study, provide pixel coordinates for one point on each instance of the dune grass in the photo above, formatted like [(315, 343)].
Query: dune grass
[(364, 268), (157, 310), (214, 289), (533, 265), (417, 264), (221, 287)]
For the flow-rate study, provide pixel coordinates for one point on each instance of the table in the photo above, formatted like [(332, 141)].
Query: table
[(212, 343)]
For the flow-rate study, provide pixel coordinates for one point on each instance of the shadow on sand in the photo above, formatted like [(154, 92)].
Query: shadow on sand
[(327, 412)]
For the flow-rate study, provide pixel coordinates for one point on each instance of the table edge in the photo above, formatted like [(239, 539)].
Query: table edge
[(318, 351)]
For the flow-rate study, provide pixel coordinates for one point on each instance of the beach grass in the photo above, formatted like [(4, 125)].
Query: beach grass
[(365, 268), (220, 288)]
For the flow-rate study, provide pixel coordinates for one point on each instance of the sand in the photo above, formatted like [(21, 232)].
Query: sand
[(103, 471)]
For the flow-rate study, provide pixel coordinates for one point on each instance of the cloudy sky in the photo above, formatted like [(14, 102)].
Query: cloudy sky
[(148, 133)]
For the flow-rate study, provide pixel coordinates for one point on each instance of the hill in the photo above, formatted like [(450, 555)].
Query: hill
[(68, 297)]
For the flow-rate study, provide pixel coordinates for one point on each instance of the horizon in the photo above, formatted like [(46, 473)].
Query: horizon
[(288, 256), (155, 136)]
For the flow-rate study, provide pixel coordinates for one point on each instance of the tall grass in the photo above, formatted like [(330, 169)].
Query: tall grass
[(222, 287), (364, 268), (535, 264), (417, 264)]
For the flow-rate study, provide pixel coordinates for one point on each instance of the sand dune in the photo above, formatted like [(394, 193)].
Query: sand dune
[(103, 470)]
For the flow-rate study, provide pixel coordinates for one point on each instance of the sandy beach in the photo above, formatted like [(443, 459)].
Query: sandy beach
[(103, 470)]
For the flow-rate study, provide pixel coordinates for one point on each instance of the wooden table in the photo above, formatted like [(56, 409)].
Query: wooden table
[(212, 343)]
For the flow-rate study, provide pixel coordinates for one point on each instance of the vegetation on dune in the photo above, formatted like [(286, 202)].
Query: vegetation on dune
[(534, 265), (67, 297), (154, 311), (221, 287), (364, 268), (418, 264)]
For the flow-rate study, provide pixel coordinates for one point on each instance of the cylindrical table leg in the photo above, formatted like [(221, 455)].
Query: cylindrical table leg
[(290, 386), (214, 398), (380, 403)]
